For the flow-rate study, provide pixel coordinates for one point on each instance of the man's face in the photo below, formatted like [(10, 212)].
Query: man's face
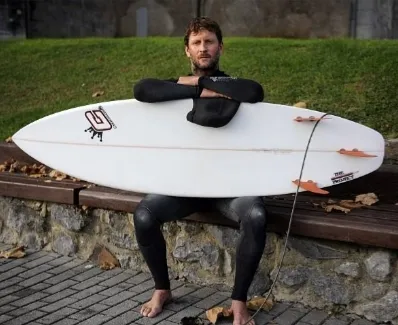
[(204, 50)]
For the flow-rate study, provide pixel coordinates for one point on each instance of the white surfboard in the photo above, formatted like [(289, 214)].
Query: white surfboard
[(152, 148)]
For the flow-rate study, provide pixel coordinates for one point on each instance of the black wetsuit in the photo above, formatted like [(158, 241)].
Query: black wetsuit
[(155, 210)]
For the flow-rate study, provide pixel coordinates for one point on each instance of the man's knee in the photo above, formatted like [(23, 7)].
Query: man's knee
[(257, 216), (144, 220)]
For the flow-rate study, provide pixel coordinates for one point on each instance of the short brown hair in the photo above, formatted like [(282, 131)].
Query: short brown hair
[(200, 23)]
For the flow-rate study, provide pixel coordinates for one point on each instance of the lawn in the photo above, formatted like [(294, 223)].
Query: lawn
[(355, 79)]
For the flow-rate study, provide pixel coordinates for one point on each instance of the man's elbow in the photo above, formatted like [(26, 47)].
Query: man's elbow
[(256, 94), (141, 90)]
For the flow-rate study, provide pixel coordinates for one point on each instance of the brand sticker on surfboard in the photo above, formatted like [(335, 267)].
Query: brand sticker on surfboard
[(100, 122), (341, 177)]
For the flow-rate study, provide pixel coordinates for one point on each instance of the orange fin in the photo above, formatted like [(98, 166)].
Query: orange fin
[(310, 119), (354, 152), (310, 186)]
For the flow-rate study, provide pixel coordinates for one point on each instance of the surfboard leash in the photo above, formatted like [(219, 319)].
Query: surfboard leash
[(290, 220)]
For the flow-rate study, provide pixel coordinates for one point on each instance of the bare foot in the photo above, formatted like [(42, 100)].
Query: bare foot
[(153, 307), (240, 313)]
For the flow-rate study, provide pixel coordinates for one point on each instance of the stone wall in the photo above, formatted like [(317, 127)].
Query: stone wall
[(274, 18), (356, 279)]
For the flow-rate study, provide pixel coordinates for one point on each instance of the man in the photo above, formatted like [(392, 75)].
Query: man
[(203, 46)]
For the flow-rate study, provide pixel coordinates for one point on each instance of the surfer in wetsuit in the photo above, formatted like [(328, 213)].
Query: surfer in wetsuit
[(203, 46)]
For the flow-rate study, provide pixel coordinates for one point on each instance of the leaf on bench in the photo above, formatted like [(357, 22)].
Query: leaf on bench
[(367, 199)]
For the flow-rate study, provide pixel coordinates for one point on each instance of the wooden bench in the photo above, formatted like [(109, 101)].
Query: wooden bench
[(375, 225)]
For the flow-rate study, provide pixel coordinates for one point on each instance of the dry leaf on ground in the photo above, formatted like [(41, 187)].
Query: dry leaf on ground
[(17, 252), (300, 105), (214, 313), (256, 302), (106, 260), (367, 199), (9, 140), (98, 93), (331, 207)]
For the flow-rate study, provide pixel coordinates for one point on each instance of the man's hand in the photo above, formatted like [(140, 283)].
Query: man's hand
[(210, 93), (188, 80)]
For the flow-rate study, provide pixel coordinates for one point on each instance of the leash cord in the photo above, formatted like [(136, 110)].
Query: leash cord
[(291, 218)]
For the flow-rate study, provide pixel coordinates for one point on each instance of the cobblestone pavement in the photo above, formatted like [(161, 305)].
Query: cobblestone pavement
[(48, 288)]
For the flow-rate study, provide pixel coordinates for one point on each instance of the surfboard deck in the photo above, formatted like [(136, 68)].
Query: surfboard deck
[(152, 148)]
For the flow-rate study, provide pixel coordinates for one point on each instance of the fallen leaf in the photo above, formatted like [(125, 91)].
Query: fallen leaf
[(367, 199), (350, 204), (17, 252), (256, 302), (330, 207), (106, 260), (214, 313), (98, 93), (189, 320), (36, 175), (3, 168), (300, 105), (9, 140)]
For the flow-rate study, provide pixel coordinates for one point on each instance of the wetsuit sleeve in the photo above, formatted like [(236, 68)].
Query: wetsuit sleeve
[(239, 89), (154, 90)]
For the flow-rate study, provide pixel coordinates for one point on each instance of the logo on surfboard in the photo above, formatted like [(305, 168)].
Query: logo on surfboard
[(341, 177), (100, 122)]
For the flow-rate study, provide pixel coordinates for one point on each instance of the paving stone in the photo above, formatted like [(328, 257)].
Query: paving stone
[(114, 291), (111, 301), (26, 318), (87, 284), (88, 292), (174, 284), (143, 297), (181, 303), (83, 314), (120, 308), (111, 273), (11, 289), (57, 315), (60, 286), (59, 295), (87, 274), (60, 260), (58, 305), (96, 320), (12, 272), (73, 265), (7, 299), (40, 286), (143, 286), (185, 290), (10, 282), (4, 318), (262, 318), (204, 292), (289, 317), (278, 309), (210, 301), (126, 318), (66, 321), (37, 262), (23, 310), (35, 279), (139, 278), (116, 280), (166, 322), (99, 307), (86, 302), (25, 292), (34, 271), (315, 317), (6, 308), (191, 311), (146, 320)]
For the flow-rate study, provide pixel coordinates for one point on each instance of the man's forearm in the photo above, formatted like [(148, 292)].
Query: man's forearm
[(242, 90), (154, 90)]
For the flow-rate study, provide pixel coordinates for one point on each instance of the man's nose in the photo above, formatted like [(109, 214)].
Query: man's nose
[(202, 47)]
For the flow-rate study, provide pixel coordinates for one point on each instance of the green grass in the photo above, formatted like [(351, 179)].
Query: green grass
[(355, 79)]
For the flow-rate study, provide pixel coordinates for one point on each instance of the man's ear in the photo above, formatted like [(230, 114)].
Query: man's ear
[(221, 48), (187, 52)]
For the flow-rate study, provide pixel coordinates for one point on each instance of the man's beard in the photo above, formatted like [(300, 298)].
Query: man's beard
[(204, 69)]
